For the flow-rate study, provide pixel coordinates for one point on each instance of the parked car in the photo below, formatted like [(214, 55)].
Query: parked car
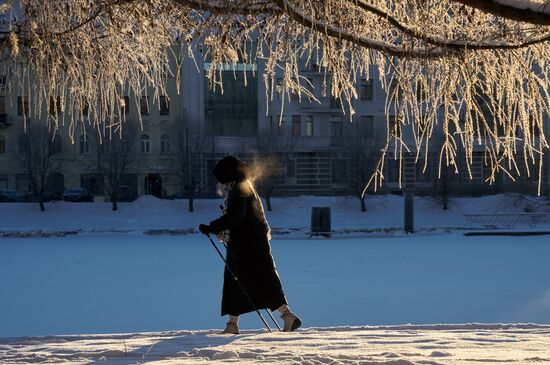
[(12, 196), (77, 195), (176, 196)]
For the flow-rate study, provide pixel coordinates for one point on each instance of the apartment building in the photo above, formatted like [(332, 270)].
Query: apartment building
[(312, 140)]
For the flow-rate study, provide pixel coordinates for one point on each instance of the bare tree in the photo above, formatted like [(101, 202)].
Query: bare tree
[(35, 157), (115, 153), (454, 48), (362, 151), (189, 142)]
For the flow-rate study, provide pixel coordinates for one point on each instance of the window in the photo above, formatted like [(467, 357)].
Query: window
[(125, 108), (339, 171), (22, 106), (84, 145), (3, 181), (296, 126), (279, 88), (366, 89), (85, 109), (144, 105), (164, 105), (310, 87), (393, 125), (336, 130), (290, 169), (164, 144), (105, 146), (335, 103), (23, 143), (278, 125), (145, 143), (366, 126), (309, 125), (394, 91), (22, 183), (393, 170), (2, 144), (56, 145)]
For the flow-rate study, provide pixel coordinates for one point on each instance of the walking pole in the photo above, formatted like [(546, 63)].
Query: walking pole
[(273, 319), (267, 310), (239, 283)]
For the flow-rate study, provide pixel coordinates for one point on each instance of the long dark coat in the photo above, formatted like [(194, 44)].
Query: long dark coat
[(248, 253)]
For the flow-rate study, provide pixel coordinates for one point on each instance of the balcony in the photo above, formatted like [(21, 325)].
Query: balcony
[(5, 120)]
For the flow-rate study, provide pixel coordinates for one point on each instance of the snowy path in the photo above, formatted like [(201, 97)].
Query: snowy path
[(397, 345)]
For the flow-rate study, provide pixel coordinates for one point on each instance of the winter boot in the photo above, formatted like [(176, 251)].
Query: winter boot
[(232, 326), (231, 329), (292, 322)]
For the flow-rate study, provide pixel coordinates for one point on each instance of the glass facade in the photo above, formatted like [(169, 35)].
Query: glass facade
[(235, 112)]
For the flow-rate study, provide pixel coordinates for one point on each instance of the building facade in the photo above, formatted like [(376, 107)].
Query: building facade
[(315, 143)]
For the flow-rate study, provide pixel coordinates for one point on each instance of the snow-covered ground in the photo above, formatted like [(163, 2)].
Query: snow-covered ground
[(355, 294), (289, 214), (398, 345)]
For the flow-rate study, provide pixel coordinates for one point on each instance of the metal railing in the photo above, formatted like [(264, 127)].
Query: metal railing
[(506, 220)]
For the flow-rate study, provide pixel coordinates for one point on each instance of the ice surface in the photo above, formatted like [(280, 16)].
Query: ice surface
[(131, 283)]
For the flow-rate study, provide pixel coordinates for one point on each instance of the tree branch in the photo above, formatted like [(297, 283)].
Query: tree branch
[(521, 10), (391, 49), (442, 42)]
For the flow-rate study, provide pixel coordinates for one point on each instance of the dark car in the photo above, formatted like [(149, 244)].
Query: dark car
[(11, 196), (77, 195), (177, 196)]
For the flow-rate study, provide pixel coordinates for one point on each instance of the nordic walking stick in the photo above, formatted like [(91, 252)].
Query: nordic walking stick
[(239, 283), (267, 310), (273, 319)]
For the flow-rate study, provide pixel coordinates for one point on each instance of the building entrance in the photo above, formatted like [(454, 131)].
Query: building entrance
[(153, 185)]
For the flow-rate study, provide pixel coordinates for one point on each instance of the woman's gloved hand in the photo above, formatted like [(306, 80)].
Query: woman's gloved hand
[(205, 229)]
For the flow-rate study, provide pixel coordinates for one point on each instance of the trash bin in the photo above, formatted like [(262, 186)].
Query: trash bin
[(320, 221)]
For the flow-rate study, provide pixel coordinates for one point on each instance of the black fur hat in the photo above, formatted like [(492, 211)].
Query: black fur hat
[(230, 169)]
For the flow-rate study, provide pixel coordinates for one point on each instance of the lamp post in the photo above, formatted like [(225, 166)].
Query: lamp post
[(409, 180)]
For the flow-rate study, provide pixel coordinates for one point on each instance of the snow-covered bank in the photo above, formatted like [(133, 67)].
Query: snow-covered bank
[(400, 345), (290, 215)]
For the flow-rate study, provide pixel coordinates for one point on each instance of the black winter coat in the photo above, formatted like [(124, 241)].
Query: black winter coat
[(248, 254)]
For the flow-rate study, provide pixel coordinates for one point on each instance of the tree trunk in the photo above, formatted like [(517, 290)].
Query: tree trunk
[(268, 202), (363, 205), (114, 201), (191, 209), (445, 192), (41, 201)]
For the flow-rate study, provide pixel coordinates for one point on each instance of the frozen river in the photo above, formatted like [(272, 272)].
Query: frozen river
[(131, 283)]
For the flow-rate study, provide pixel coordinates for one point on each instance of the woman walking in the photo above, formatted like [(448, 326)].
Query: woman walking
[(244, 228)]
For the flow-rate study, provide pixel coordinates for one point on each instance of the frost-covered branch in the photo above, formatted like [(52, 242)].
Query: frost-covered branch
[(476, 79), (529, 11)]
